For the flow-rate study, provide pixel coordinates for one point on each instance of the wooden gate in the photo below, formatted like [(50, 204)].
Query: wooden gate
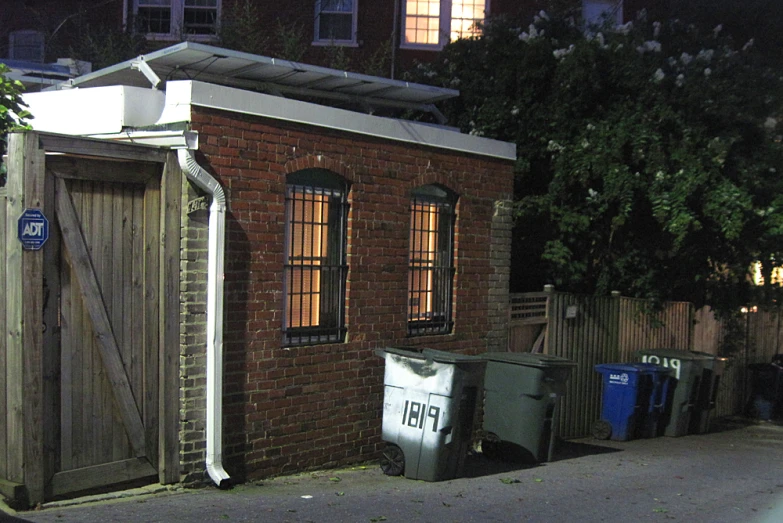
[(100, 379)]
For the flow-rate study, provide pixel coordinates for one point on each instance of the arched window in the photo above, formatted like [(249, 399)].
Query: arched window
[(431, 260), (315, 263)]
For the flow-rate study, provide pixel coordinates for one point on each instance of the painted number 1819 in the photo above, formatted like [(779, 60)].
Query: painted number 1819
[(415, 416)]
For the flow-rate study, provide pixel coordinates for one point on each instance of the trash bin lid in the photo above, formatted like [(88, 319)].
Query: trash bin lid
[(432, 354), (529, 359), (674, 353), (708, 355), (632, 367)]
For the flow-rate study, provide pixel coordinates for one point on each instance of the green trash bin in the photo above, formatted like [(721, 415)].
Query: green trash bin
[(685, 386), (712, 370), (521, 390), (429, 408)]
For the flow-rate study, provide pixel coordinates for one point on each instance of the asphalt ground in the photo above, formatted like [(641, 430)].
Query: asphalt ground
[(733, 474)]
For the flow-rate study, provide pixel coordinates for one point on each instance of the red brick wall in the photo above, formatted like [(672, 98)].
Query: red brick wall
[(290, 409)]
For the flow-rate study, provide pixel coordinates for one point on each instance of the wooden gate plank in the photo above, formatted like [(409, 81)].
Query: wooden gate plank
[(13, 290), (171, 183), (95, 476), (82, 265), (3, 382)]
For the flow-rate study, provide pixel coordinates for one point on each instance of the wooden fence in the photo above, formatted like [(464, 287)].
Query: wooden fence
[(3, 351), (602, 329)]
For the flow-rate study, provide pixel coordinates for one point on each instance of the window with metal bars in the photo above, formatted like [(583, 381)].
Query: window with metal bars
[(315, 266), (431, 261)]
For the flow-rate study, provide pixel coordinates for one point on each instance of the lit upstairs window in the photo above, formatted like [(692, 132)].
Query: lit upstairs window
[(174, 19), (431, 24), (335, 21)]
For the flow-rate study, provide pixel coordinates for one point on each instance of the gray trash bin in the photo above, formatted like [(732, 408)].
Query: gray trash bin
[(521, 390), (429, 407), (685, 385), (712, 370)]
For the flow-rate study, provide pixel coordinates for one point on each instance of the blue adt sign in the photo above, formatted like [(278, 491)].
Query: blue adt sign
[(33, 229)]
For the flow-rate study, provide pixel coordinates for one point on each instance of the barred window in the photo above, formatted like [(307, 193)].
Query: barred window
[(315, 266), (431, 261)]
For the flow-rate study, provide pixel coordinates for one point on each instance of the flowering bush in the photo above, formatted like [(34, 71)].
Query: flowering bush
[(12, 112), (648, 153)]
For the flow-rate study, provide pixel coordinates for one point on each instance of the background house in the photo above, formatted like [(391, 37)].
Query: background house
[(380, 37)]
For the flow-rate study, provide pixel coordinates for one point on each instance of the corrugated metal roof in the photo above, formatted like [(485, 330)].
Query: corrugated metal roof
[(194, 61)]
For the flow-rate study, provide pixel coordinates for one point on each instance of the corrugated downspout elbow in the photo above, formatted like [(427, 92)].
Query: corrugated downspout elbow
[(217, 240)]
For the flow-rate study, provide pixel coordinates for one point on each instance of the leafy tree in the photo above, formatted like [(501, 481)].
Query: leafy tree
[(12, 113), (649, 154)]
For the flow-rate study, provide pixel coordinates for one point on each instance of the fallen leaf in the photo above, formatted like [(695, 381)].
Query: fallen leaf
[(509, 481)]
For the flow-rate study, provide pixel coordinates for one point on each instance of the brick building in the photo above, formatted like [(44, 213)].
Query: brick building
[(344, 233), (381, 37)]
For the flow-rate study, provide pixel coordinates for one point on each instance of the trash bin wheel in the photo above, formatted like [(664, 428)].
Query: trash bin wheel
[(392, 460), (490, 448), (602, 429)]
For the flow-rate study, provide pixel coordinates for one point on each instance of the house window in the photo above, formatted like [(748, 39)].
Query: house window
[(431, 261), (335, 21), (26, 45), (315, 266), (596, 12), (177, 18), (430, 24)]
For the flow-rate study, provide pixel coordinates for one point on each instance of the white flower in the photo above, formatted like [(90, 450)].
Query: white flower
[(524, 36), (672, 61), (543, 15), (585, 143), (705, 54), (514, 111), (560, 53), (649, 45), (707, 71), (680, 80), (624, 28), (659, 176), (717, 30), (592, 192), (770, 123), (685, 58), (553, 146), (656, 29), (590, 127), (748, 44), (659, 75)]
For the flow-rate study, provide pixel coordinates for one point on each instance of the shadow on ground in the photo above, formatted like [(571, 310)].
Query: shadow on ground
[(507, 457)]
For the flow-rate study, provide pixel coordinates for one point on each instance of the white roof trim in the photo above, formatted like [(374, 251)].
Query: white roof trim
[(182, 94)]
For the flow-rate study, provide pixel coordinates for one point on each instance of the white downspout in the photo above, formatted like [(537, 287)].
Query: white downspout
[(217, 241)]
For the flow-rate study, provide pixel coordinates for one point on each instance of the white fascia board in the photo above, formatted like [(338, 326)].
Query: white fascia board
[(95, 110), (182, 94)]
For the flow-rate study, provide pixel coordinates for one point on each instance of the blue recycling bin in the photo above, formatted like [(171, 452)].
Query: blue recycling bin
[(634, 397)]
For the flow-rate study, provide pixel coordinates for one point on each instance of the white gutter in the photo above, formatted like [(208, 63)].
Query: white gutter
[(217, 240)]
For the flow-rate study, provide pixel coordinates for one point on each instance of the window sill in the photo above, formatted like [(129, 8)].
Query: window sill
[(334, 43), (422, 47), (160, 37)]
